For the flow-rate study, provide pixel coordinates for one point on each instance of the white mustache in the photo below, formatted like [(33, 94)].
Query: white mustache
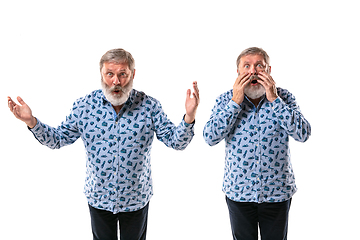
[(254, 77), (117, 88)]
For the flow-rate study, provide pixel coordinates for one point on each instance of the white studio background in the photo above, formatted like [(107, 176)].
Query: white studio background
[(49, 55)]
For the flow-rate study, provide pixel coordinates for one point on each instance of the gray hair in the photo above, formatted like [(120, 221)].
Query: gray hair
[(253, 51), (118, 55)]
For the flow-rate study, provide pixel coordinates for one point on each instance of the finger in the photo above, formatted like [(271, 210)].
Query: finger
[(264, 83), (245, 77), (188, 93), (245, 81), (266, 77), (21, 101), (15, 111), (196, 90), (241, 77), (11, 104), (237, 81), (10, 100), (196, 95), (195, 85)]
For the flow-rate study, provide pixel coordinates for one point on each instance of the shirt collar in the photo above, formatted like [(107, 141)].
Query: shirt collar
[(262, 100)]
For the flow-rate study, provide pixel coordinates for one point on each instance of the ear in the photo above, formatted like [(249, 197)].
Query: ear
[(134, 74), (269, 69)]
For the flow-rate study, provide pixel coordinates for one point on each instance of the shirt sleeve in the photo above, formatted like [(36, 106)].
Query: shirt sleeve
[(222, 119), (176, 137), (289, 116), (54, 138)]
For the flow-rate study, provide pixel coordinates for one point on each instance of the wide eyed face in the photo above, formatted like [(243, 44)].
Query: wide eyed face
[(253, 64), (114, 74), (117, 81)]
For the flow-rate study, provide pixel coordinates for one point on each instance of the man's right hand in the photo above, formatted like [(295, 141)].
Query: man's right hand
[(22, 112), (239, 86)]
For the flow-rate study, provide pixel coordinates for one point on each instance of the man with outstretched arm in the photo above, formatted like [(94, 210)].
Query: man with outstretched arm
[(117, 125), (256, 120)]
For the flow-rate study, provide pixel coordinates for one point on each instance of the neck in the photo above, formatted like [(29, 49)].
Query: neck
[(117, 108), (255, 101)]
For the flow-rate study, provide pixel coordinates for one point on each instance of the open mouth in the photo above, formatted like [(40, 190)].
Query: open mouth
[(254, 79), (116, 90)]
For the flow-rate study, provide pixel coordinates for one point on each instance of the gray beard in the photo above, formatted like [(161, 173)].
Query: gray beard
[(254, 92), (123, 96)]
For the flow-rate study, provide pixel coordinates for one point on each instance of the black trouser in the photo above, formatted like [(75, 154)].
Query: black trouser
[(132, 225), (272, 219)]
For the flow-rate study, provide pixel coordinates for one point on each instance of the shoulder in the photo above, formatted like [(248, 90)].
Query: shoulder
[(140, 101), (227, 94), (285, 94), (143, 98), (224, 98), (95, 97)]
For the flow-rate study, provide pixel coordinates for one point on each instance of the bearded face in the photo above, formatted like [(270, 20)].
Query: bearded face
[(253, 64), (254, 90), (117, 95), (117, 82)]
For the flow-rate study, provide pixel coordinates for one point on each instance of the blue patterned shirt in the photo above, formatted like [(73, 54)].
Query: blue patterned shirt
[(257, 161), (118, 146)]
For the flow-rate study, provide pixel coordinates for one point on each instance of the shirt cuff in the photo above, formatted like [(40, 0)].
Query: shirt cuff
[(188, 127), (35, 127), (187, 124), (277, 104), (233, 107)]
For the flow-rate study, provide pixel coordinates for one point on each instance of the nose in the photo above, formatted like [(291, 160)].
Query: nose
[(116, 80), (253, 70)]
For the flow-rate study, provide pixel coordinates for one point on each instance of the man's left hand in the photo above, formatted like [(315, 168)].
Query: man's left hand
[(191, 104), (269, 84)]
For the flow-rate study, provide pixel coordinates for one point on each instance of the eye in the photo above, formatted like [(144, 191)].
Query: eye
[(109, 74), (246, 66), (260, 65), (123, 75)]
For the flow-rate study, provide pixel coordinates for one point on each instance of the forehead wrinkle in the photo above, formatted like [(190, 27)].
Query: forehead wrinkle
[(117, 64), (116, 69), (259, 61)]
